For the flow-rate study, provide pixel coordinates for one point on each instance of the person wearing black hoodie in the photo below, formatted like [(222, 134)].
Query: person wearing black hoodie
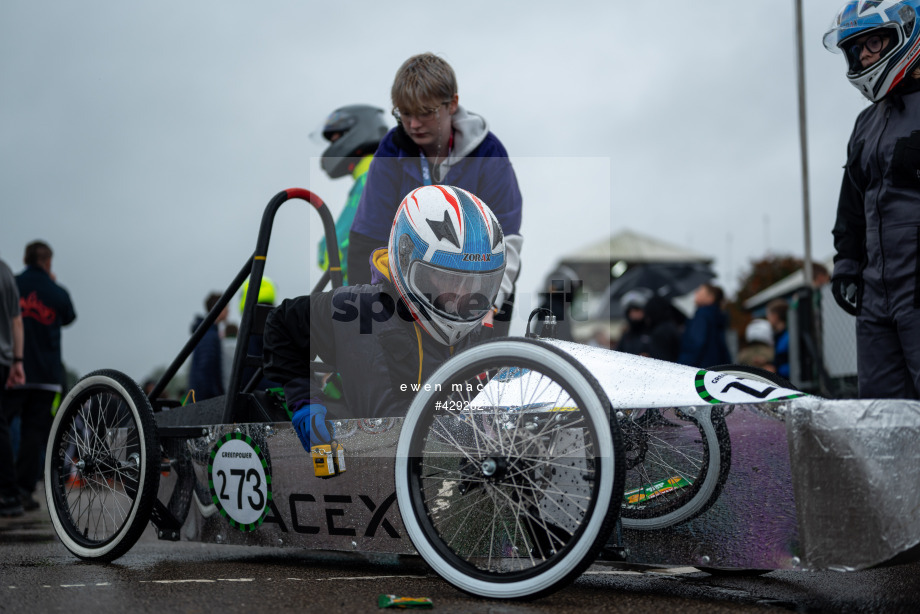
[(636, 339), (46, 307), (664, 329)]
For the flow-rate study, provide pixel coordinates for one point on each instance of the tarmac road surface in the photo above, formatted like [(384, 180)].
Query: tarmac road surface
[(37, 574)]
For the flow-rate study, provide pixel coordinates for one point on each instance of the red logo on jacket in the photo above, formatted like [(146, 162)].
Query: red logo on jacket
[(32, 307)]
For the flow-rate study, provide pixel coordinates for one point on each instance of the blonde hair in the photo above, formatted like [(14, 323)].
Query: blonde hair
[(422, 79)]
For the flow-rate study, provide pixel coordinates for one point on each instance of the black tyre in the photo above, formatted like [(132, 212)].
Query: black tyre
[(102, 466), (677, 462), (509, 470)]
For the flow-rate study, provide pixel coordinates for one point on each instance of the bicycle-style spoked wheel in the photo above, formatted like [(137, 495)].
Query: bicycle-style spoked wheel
[(677, 462), (509, 471), (102, 466)]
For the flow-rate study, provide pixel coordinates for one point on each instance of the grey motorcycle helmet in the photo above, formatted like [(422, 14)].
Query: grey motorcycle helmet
[(360, 128)]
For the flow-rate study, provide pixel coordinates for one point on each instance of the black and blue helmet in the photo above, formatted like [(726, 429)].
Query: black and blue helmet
[(890, 28)]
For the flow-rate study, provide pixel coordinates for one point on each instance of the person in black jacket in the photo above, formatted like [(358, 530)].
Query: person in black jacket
[(637, 337), (876, 274), (664, 323), (46, 307), (431, 290)]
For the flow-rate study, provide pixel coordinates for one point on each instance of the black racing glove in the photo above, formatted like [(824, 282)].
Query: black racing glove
[(848, 291)]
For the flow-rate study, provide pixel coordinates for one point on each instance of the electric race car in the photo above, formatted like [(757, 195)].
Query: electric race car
[(519, 463)]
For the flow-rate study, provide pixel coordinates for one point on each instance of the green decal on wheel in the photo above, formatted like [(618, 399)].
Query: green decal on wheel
[(650, 491)]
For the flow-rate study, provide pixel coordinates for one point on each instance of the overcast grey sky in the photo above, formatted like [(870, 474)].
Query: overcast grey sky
[(143, 140)]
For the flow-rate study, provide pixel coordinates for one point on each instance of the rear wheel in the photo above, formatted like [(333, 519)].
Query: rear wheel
[(677, 462), (509, 470), (102, 466)]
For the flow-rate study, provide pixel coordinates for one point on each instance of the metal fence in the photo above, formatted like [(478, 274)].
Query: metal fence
[(822, 344)]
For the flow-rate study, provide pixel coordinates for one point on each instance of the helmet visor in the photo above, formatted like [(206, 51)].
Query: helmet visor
[(871, 45), (456, 295)]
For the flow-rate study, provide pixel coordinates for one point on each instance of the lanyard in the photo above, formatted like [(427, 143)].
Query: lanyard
[(423, 161), (426, 172)]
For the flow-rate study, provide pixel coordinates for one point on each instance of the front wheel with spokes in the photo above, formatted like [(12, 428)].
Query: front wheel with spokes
[(509, 470), (102, 466)]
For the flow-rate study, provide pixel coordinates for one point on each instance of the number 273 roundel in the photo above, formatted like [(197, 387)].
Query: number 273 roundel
[(239, 480)]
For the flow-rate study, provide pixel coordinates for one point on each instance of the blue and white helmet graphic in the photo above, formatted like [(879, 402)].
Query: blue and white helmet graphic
[(889, 28), (447, 259)]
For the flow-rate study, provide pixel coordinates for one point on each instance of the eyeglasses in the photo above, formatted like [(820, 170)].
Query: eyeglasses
[(873, 44), (425, 115)]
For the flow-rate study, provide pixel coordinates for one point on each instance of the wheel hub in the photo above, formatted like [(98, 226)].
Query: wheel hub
[(494, 468)]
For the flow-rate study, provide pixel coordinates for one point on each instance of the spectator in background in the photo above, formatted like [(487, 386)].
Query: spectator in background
[(205, 375), (777, 312), (46, 307), (636, 338), (664, 329), (436, 141), (11, 374), (266, 297), (703, 343), (561, 287), (228, 350), (758, 346), (353, 133), (820, 275)]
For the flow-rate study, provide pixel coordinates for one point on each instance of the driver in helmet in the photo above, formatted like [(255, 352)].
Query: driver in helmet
[(876, 274), (432, 287), (353, 133)]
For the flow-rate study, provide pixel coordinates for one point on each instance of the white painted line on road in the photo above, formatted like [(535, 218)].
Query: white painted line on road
[(103, 584), (174, 581), (365, 578), (71, 585), (235, 579), (339, 579)]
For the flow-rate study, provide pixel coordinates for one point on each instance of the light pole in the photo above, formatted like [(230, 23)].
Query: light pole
[(803, 141), (817, 350)]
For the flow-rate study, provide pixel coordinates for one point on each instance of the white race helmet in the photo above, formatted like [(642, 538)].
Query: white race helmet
[(897, 28), (447, 259)]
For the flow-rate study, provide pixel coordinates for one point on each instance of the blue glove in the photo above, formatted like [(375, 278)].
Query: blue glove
[(310, 423)]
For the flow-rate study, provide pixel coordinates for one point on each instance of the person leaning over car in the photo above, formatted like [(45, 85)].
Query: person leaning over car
[(437, 141)]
